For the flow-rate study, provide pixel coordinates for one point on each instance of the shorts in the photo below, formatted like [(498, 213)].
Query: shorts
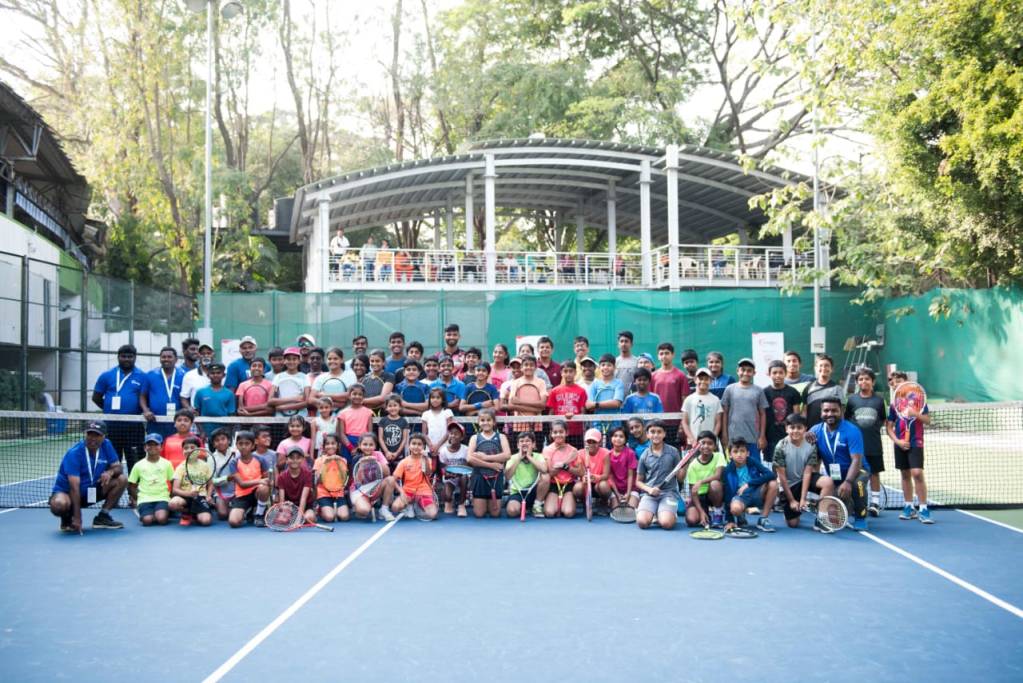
[(150, 509), (530, 497), (911, 459), (876, 463), (355, 496), (483, 487), (328, 502), (797, 491), (666, 502), (751, 497), (246, 502), (101, 495), (197, 506)]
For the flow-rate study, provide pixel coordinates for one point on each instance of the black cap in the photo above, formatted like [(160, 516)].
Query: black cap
[(98, 426)]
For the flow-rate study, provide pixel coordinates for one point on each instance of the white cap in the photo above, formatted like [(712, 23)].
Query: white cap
[(248, 340)]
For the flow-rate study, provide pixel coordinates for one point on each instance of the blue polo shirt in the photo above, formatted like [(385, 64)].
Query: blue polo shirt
[(157, 385), (129, 387), (212, 402), (453, 391), (88, 467), (237, 372), (839, 445)]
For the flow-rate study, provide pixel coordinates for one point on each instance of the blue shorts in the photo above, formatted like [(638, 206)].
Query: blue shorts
[(150, 509), (328, 502), (752, 497)]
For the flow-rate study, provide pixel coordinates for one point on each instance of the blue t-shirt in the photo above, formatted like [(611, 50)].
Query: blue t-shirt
[(743, 474), (157, 385), (718, 384), (114, 383), (489, 388), (77, 462), (839, 445), (455, 390), (212, 402), (394, 366), (237, 372), (635, 403)]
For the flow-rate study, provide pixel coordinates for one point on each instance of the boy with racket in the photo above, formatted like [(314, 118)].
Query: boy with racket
[(907, 434), (415, 491), (456, 470), (192, 487), (867, 411), (528, 480), (568, 400), (295, 484), (748, 483), (564, 466), (704, 479), (253, 394), (331, 477), (220, 460), (251, 477), (412, 390), (148, 483), (599, 459), (799, 469), (657, 477), (479, 394), (488, 453)]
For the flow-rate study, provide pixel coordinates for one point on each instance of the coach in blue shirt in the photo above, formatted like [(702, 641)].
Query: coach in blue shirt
[(238, 370), (121, 390), (89, 472), (840, 446), (163, 391)]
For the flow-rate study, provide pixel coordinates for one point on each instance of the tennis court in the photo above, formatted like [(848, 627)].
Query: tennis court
[(504, 600)]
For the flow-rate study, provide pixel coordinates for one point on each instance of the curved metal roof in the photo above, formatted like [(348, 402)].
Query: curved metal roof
[(532, 174)]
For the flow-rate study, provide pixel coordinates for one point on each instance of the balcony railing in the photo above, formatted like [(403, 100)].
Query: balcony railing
[(699, 266)]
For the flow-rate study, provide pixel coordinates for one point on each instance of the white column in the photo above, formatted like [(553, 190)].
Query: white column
[(612, 224), (449, 224), (644, 219), (671, 171), (469, 213), (318, 253), (489, 198), (436, 229), (580, 232)]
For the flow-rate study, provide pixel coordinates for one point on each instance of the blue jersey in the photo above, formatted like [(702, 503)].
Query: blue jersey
[(158, 384), (210, 402), (121, 391), (637, 403), (394, 366), (718, 384), (453, 391), (237, 372), (839, 445), (88, 467)]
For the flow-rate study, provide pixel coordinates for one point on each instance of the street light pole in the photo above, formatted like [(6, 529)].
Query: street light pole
[(207, 274)]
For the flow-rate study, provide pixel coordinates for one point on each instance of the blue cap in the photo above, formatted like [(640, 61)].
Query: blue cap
[(153, 438), (647, 356)]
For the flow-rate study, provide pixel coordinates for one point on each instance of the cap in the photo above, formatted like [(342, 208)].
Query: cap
[(593, 434), (702, 371), (153, 438), (308, 338), (746, 361), (97, 426), (205, 346), (456, 425), (292, 351), (216, 366), (646, 356), (248, 340), (296, 449), (587, 359), (515, 359)]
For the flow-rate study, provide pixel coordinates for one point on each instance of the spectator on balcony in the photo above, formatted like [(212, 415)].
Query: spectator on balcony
[(619, 267), (369, 257), (384, 261), (471, 266), (338, 248), (511, 268), (403, 266), (566, 268), (349, 264)]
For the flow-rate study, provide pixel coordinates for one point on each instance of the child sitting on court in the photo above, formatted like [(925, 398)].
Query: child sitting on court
[(524, 469), (332, 504), (560, 457), (623, 470), (798, 469), (748, 483), (148, 483), (600, 467), (219, 460), (251, 481), (660, 497), (414, 474), (703, 477), (295, 483), (454, 453), (193, 482), (488, 453), (361, 504)]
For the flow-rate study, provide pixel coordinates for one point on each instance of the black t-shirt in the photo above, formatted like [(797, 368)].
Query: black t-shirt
[(780, 404), (869, 415), (393, 429), (814, 393)]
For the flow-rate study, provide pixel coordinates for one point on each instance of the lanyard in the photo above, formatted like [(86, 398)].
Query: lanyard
[(832, 447), (92, 465), (120, 382), (169, 385)]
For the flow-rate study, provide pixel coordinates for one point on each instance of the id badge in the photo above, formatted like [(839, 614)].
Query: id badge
[(115, 403), (835, 470), (90, 495), (171, 409)]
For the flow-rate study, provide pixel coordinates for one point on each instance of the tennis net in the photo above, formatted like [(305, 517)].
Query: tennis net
[(974, 452)]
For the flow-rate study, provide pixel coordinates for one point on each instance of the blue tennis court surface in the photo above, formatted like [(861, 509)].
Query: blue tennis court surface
[(469, 600)]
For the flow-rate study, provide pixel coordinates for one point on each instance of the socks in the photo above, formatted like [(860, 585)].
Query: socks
[(260, 508), (875, 497)]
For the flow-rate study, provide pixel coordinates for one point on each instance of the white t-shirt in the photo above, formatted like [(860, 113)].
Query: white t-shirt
[(447, 457), (338, 245), (192, 382), (701, 409), (436, 424), (300, 376)]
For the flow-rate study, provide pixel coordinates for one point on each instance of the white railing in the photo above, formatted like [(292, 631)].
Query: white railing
[(698, 266)]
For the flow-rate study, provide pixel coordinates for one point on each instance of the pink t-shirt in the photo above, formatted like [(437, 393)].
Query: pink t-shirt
[(621, 463), (356, 421), (283, 446), (671, 386)]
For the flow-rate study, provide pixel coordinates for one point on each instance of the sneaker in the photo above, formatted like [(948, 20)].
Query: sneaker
[(538, 510), (386, 514), (186, 520), (461, 512), (764, 524), (409, 513), (103, 520), (717, 518), (874, 510), (859, 524), (741, 521), (925, 516), (818, 528), (908, 512), (259, 522), (65, 525)]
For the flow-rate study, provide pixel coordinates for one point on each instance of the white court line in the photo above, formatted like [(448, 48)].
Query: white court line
[(992, 521), (26, 481), (38, 503), (994, 600), (267, 631)]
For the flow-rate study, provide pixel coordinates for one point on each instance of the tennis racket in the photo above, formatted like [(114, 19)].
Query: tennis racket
[(457, 477), (367, 478), (412, 393), (529, 393), (220, 476), (198, 474), (255, 396), (706, 534), (624, 513), (285, 517), (489, 447), (333, 476), (908, 400), (560, 460), (682, 462), (832, 514), (588, 493), (476, 396), (525, 494), (333, 386), (291, 388), (606, 393), (740, 532), (374, 385)]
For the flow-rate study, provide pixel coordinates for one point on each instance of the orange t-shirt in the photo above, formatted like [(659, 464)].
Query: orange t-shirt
[(596, 461), (172, 449), (321, 490), (248, 471), (558, 456), (415, 481)]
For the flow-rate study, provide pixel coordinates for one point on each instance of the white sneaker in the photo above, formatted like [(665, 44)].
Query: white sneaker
[(410, 513), (386, 514)]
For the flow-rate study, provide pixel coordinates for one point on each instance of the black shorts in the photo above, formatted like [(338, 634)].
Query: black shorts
[(246, 502), (876, 463), (197, 506), (328, 502), (482, 487), (910, 459), (797, 491)]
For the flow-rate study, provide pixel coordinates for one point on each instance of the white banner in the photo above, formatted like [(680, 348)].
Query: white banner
[(767, 346)]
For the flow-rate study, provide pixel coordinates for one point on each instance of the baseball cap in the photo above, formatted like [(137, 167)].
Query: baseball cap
[(593, 434), (216, 366), (205, 346), (514, 359), (702, 371), (97, 426), (307, 338), (292, 351), (296, 449), (587, 359), (456, 425), (646, 356), (746, 361), (153, 438), (248, 340)]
